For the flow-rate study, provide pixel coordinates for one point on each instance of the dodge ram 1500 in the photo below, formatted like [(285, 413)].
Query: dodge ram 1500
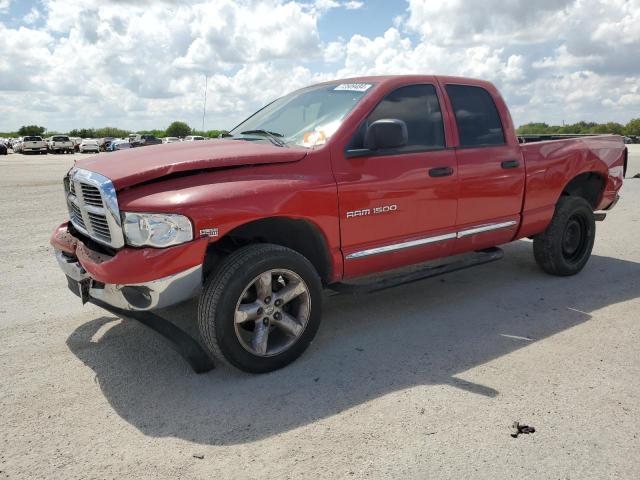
[(327, 184)]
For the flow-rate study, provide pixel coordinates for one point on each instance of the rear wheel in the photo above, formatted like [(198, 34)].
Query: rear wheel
[(565, 246), (261, 308)]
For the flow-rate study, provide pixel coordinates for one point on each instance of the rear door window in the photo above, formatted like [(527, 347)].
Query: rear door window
[(476, 115)]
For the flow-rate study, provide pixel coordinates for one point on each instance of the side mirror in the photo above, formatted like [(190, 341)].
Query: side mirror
[(386, 133)]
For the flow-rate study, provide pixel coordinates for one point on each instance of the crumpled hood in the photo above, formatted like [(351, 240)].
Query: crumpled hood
[(130, 167)]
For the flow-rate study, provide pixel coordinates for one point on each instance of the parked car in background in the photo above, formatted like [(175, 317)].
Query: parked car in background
[(89, 145), (170, 140), (193, 138), (76, 142), (103, 143), (33, 144), (60, 143), (16, 144), (118, 145), (149, 140), (3, 147), (139, 140)]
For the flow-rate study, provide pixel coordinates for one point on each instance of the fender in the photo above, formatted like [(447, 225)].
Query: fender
[(220, 202)]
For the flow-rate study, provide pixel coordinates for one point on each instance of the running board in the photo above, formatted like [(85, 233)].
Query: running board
[(183, 343), (471, 260)]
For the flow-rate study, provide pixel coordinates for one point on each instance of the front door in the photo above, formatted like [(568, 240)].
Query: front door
[(398, 206)]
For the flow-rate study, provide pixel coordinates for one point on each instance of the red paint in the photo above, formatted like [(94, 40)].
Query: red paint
[(138, 165), (131, 265), (321, 185)]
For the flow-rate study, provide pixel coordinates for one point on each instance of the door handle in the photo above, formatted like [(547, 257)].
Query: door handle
[(510, 164), (440, 172)]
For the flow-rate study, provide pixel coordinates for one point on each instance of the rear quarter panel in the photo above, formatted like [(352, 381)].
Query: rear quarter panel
[(551, 165)]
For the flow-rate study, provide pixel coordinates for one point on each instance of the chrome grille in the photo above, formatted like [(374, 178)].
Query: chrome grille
[(93, 207), (100, 226), (91, 195), (76, 215)]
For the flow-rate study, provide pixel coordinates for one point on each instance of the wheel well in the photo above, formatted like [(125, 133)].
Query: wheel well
[(588, 185), (299, 235)]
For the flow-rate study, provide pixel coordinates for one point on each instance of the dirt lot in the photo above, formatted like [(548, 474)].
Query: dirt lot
[(416, 382)]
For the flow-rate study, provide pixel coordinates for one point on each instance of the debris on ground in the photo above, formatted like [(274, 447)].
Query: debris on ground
[(521, 429), (198, 455)]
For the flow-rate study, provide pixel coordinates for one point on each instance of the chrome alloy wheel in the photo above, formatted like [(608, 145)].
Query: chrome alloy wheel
[(272, 312)]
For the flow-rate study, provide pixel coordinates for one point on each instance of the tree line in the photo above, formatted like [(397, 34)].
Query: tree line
[(182, 129), (176, 129), (632, 128)]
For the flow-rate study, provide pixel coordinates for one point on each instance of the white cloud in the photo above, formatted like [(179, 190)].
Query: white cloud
[(553, 59), (4, 5), (353, 5), (461, 22), (232, 33), (334, 52), (321, 6), (32, 17), (142, 64), (326, 4)]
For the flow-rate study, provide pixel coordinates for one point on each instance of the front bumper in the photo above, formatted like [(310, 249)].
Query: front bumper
[(160, 293), (613, 204), (132, 279)]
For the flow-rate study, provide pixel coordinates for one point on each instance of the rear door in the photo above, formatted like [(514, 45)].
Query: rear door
[(398, 206), (491, 170)]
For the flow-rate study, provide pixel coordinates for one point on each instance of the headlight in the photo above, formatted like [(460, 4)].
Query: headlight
[(156, 229)]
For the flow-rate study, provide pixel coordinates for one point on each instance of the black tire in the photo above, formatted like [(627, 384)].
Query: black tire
[(565, 246), (224, 289)]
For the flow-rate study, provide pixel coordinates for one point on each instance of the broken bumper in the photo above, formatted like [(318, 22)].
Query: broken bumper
[(123, 279), (613, 204)]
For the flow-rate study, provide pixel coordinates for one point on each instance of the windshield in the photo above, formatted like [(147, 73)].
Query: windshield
[(32, 139), (307, 117)]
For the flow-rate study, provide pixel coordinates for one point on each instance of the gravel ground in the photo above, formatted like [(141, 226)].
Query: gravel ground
[(422, 381)]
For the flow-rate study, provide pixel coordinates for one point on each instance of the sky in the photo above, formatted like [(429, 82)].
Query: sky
[(142, 64)]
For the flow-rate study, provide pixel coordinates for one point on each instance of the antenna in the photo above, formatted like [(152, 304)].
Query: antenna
[(204, 107)]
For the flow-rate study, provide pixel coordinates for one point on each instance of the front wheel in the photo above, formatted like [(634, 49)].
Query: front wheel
[(565, 246), (261, 308)]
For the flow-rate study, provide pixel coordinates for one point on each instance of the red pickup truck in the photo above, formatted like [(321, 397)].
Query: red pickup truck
[(330, 183)]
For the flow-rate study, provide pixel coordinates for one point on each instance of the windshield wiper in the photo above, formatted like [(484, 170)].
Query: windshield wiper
[(273, 136)]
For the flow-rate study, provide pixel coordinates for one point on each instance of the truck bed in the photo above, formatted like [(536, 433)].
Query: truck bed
[(550, 161)]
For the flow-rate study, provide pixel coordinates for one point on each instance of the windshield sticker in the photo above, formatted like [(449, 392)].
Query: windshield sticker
[(354, 87)]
